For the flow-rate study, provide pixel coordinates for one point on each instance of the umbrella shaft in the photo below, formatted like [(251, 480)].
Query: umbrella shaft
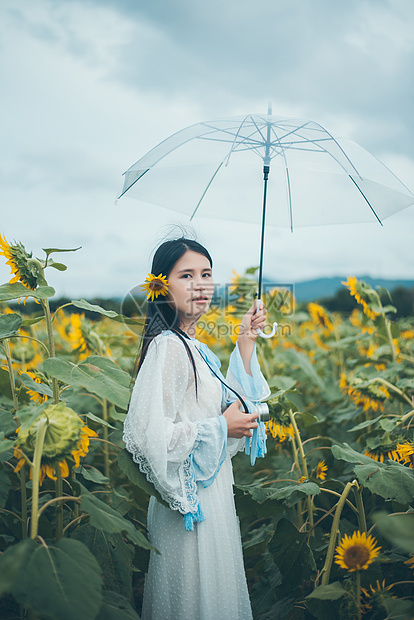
[(266, 170)]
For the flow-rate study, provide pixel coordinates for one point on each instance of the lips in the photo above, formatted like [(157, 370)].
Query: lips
[(200, 298)]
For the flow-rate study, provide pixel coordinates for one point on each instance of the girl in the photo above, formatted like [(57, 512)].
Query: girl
[(182, 432)]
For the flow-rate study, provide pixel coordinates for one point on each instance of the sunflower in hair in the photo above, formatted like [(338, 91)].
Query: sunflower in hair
[(155, 286)]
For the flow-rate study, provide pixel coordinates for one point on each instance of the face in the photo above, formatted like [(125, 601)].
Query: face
[(191, 287)]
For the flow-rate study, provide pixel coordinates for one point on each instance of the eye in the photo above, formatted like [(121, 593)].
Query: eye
[(186, 275), (207, 275)]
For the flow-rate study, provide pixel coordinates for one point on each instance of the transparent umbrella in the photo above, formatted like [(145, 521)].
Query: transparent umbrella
[(214, 169)]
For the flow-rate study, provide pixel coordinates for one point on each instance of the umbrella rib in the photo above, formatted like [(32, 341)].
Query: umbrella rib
[(341, 149), (133, 183), (244, 139), (206, 190), (290, 199), (366, 199), (279, 140), (323, 150)]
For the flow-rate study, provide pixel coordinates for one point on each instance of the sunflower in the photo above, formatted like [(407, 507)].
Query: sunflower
[(367, 395), (18, 261), (410, 562), (280, 431), (321, 468), (155, 285), (66, 438), (319, 343), (37, 397), (363, 294), (357, 319), (25, 353), (369, 352), (320, 317), (356, 552), (85, 340), (302, 479), (234, 282), (399, 452), (211, 329), (78, 336), (232, 322), (405, 454), (375, 596)]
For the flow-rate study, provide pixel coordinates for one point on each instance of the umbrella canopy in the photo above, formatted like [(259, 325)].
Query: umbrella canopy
[(214, 169)]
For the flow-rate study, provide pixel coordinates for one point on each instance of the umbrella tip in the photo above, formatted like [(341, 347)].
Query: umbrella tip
[(269, 108)]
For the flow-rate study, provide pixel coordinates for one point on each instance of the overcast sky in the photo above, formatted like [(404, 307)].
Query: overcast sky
[(88, 87)]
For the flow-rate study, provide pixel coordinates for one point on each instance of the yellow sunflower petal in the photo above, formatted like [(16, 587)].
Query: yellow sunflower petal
[(356, 552)]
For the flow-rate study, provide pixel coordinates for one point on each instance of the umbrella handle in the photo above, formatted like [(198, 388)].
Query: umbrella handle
[(259, 331)]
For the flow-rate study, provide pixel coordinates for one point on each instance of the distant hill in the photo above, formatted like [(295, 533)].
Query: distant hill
[(310, 290)]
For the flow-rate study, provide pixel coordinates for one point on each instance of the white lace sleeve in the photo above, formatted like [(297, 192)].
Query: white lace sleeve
[(158, 439)]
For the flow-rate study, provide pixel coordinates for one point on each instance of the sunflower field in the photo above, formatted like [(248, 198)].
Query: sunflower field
[(327, 516)]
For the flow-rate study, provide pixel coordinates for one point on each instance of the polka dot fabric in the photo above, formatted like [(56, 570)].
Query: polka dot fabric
[(199, 574)]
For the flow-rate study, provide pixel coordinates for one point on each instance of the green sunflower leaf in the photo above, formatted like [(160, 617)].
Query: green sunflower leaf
[(33, 321), (131, 470), (97, 374), (116, 607), (111, 314), (40, 388), (291, 554), (49, 251), (394, 481), (331, 592), (55, 265), (365, 424), (348, 454), (9, 325), (260, 494), (5, 444), (399, 529), (114, 555), (92, 474), (105, 518), (17, 290), (62, 581)]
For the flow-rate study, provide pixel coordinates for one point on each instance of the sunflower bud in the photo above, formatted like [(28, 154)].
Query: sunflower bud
[(63, 432), (23, 267)]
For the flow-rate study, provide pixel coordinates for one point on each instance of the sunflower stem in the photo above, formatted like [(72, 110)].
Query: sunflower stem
[(391, 387), (37, 458), (340, 353), (326, 570), (46, 310), (358, 593), (59, 507), (360, 505), (389, 335), (407, 416), (23, 496), (105, 436), (6, 349), (304, 466)]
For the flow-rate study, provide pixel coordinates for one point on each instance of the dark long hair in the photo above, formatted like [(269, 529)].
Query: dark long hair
[(160, 315)]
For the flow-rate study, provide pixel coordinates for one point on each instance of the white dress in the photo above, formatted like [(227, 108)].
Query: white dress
[(179, 440)]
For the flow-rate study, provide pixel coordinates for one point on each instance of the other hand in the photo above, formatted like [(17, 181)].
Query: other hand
[(239, 424)]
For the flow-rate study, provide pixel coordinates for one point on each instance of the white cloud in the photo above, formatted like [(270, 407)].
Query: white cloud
[(88, 88)]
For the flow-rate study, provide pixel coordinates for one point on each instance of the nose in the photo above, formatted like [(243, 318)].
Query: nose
[(199, 284)]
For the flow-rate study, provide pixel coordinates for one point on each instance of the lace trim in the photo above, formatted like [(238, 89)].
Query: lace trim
[(189, 503)]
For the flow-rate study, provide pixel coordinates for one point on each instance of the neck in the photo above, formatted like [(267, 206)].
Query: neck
[(189, 328)]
